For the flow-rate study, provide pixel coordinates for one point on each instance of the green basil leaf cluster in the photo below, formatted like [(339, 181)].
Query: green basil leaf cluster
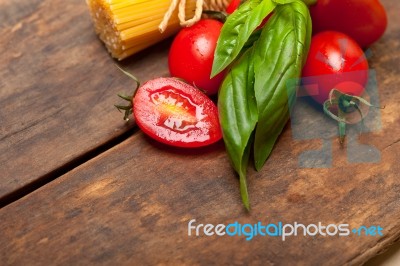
[(260, 88)]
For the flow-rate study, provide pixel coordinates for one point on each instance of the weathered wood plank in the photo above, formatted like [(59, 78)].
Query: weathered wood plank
[(57, 88), (132, 204)]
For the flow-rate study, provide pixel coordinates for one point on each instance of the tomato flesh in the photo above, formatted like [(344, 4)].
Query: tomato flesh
[(175, 113), (335, 61)]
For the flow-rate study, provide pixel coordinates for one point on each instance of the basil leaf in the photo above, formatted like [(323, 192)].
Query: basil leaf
[(307, 2), (252, 39), (283, 2), (279, 55), (237, 30), (238, 116), (307, 42)]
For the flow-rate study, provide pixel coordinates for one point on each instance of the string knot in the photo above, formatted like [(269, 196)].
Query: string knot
[(215, 5)]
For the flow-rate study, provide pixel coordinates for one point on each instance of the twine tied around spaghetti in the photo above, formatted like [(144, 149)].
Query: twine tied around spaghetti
[(216, 5)]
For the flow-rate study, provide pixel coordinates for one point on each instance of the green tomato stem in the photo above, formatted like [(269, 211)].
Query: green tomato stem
[(342, 132), (344, 103), (127, 109)]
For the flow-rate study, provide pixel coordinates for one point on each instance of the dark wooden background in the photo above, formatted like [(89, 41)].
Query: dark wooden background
[(80, 186)]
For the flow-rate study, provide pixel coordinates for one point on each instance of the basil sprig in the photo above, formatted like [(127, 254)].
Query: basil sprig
[(258, 91)]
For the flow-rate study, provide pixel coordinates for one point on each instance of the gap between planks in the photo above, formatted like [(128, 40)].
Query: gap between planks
[(67, 167)]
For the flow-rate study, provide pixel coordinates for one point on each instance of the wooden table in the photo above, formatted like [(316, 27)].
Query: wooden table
[(80, 186)]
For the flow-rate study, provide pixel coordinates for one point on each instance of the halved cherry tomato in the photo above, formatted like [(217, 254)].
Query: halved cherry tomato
[(363, 20), (175, 113), (335, 61), (192, 53)]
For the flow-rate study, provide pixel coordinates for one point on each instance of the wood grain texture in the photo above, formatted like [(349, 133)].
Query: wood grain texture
[(57, 88), (131, 204)]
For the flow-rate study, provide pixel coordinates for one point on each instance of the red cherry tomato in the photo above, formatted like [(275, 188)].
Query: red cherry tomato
[(365, 21), (335, 61), (175, 113), (192, 53), (233, 5)]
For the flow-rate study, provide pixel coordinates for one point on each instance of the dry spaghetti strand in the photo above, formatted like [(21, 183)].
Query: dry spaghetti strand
[(128, 26)]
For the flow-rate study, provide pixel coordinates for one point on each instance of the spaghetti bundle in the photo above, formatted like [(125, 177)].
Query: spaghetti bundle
[(128, 26)]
